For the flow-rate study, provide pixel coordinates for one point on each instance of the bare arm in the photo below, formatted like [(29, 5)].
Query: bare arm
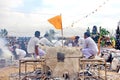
[(36, 49)]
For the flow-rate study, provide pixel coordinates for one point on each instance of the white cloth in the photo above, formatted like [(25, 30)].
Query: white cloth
[(81, 42), (114, 64), (58, 43), (69, 44), (45, 41), (40, 53), (90, 47), (21, 53), (119, 71), (34, 41)]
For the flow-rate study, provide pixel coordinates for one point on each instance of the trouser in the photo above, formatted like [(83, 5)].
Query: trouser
[(88, 52)]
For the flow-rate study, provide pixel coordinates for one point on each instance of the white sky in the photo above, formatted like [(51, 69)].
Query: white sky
[(23, 17)]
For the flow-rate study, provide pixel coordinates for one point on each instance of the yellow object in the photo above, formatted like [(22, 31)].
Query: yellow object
[(113, 43), (73, 37), (56, 21), (99, 40)]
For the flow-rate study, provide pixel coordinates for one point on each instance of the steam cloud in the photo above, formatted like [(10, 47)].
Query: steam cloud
[(4, 51)]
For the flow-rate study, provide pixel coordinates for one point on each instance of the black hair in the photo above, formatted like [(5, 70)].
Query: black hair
[(87, 34), (37, 33), (46, 35), (77, 37)]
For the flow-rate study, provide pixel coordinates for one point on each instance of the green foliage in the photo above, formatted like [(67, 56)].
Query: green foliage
[(104, 32), (102, 43)]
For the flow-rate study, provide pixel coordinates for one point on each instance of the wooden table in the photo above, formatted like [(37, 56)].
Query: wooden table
[(93, 63), (27, 62)]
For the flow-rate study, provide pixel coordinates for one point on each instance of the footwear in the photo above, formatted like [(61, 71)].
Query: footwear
[(91, 57)]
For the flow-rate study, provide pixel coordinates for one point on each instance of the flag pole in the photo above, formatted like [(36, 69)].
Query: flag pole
[(57, 23), (61, 30)]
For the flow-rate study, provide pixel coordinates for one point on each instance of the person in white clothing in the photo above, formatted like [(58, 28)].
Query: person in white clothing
[(41, 53), (81, 42), (45, 42), (33, 45), (90, 47), (20, 53)]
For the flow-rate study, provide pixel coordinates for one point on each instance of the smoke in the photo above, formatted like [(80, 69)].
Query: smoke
[(4, 51)]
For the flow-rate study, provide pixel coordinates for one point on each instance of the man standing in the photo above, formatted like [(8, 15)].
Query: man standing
[(33, 45), (90, 47)]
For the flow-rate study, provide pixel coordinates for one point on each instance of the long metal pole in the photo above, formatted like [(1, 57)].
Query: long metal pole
[(61, 29)]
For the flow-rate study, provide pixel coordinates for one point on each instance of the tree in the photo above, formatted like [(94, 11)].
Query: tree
[(117, 46), (104, 32), (3, 32)]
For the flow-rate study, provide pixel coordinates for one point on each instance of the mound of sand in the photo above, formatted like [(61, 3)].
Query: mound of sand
[(70, 65)]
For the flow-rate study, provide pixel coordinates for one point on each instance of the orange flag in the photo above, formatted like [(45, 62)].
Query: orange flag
[(56, 21)]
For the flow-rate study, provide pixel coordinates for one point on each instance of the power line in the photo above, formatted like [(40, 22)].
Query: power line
[(89, 14)]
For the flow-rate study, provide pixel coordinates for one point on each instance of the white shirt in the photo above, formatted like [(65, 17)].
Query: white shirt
[(81, 42), (20, 52), (58, 43), (45, 41), (34, 41), (90, 43)]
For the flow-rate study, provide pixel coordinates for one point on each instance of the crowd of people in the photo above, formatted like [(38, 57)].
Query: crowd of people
[(26, 46), (29, 46), (17, 46)]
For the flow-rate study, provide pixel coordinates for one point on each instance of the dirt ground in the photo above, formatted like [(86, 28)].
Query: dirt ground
[(5, 73), (70, 65)]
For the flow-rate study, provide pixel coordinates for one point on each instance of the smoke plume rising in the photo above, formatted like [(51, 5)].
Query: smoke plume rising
[(4, 51)]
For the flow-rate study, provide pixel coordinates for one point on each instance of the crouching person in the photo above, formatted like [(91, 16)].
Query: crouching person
[(41, 54), (19, 53), (33, 46), (90, 47)]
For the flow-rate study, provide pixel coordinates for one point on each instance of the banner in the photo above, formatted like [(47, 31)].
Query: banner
[(56, 22)]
